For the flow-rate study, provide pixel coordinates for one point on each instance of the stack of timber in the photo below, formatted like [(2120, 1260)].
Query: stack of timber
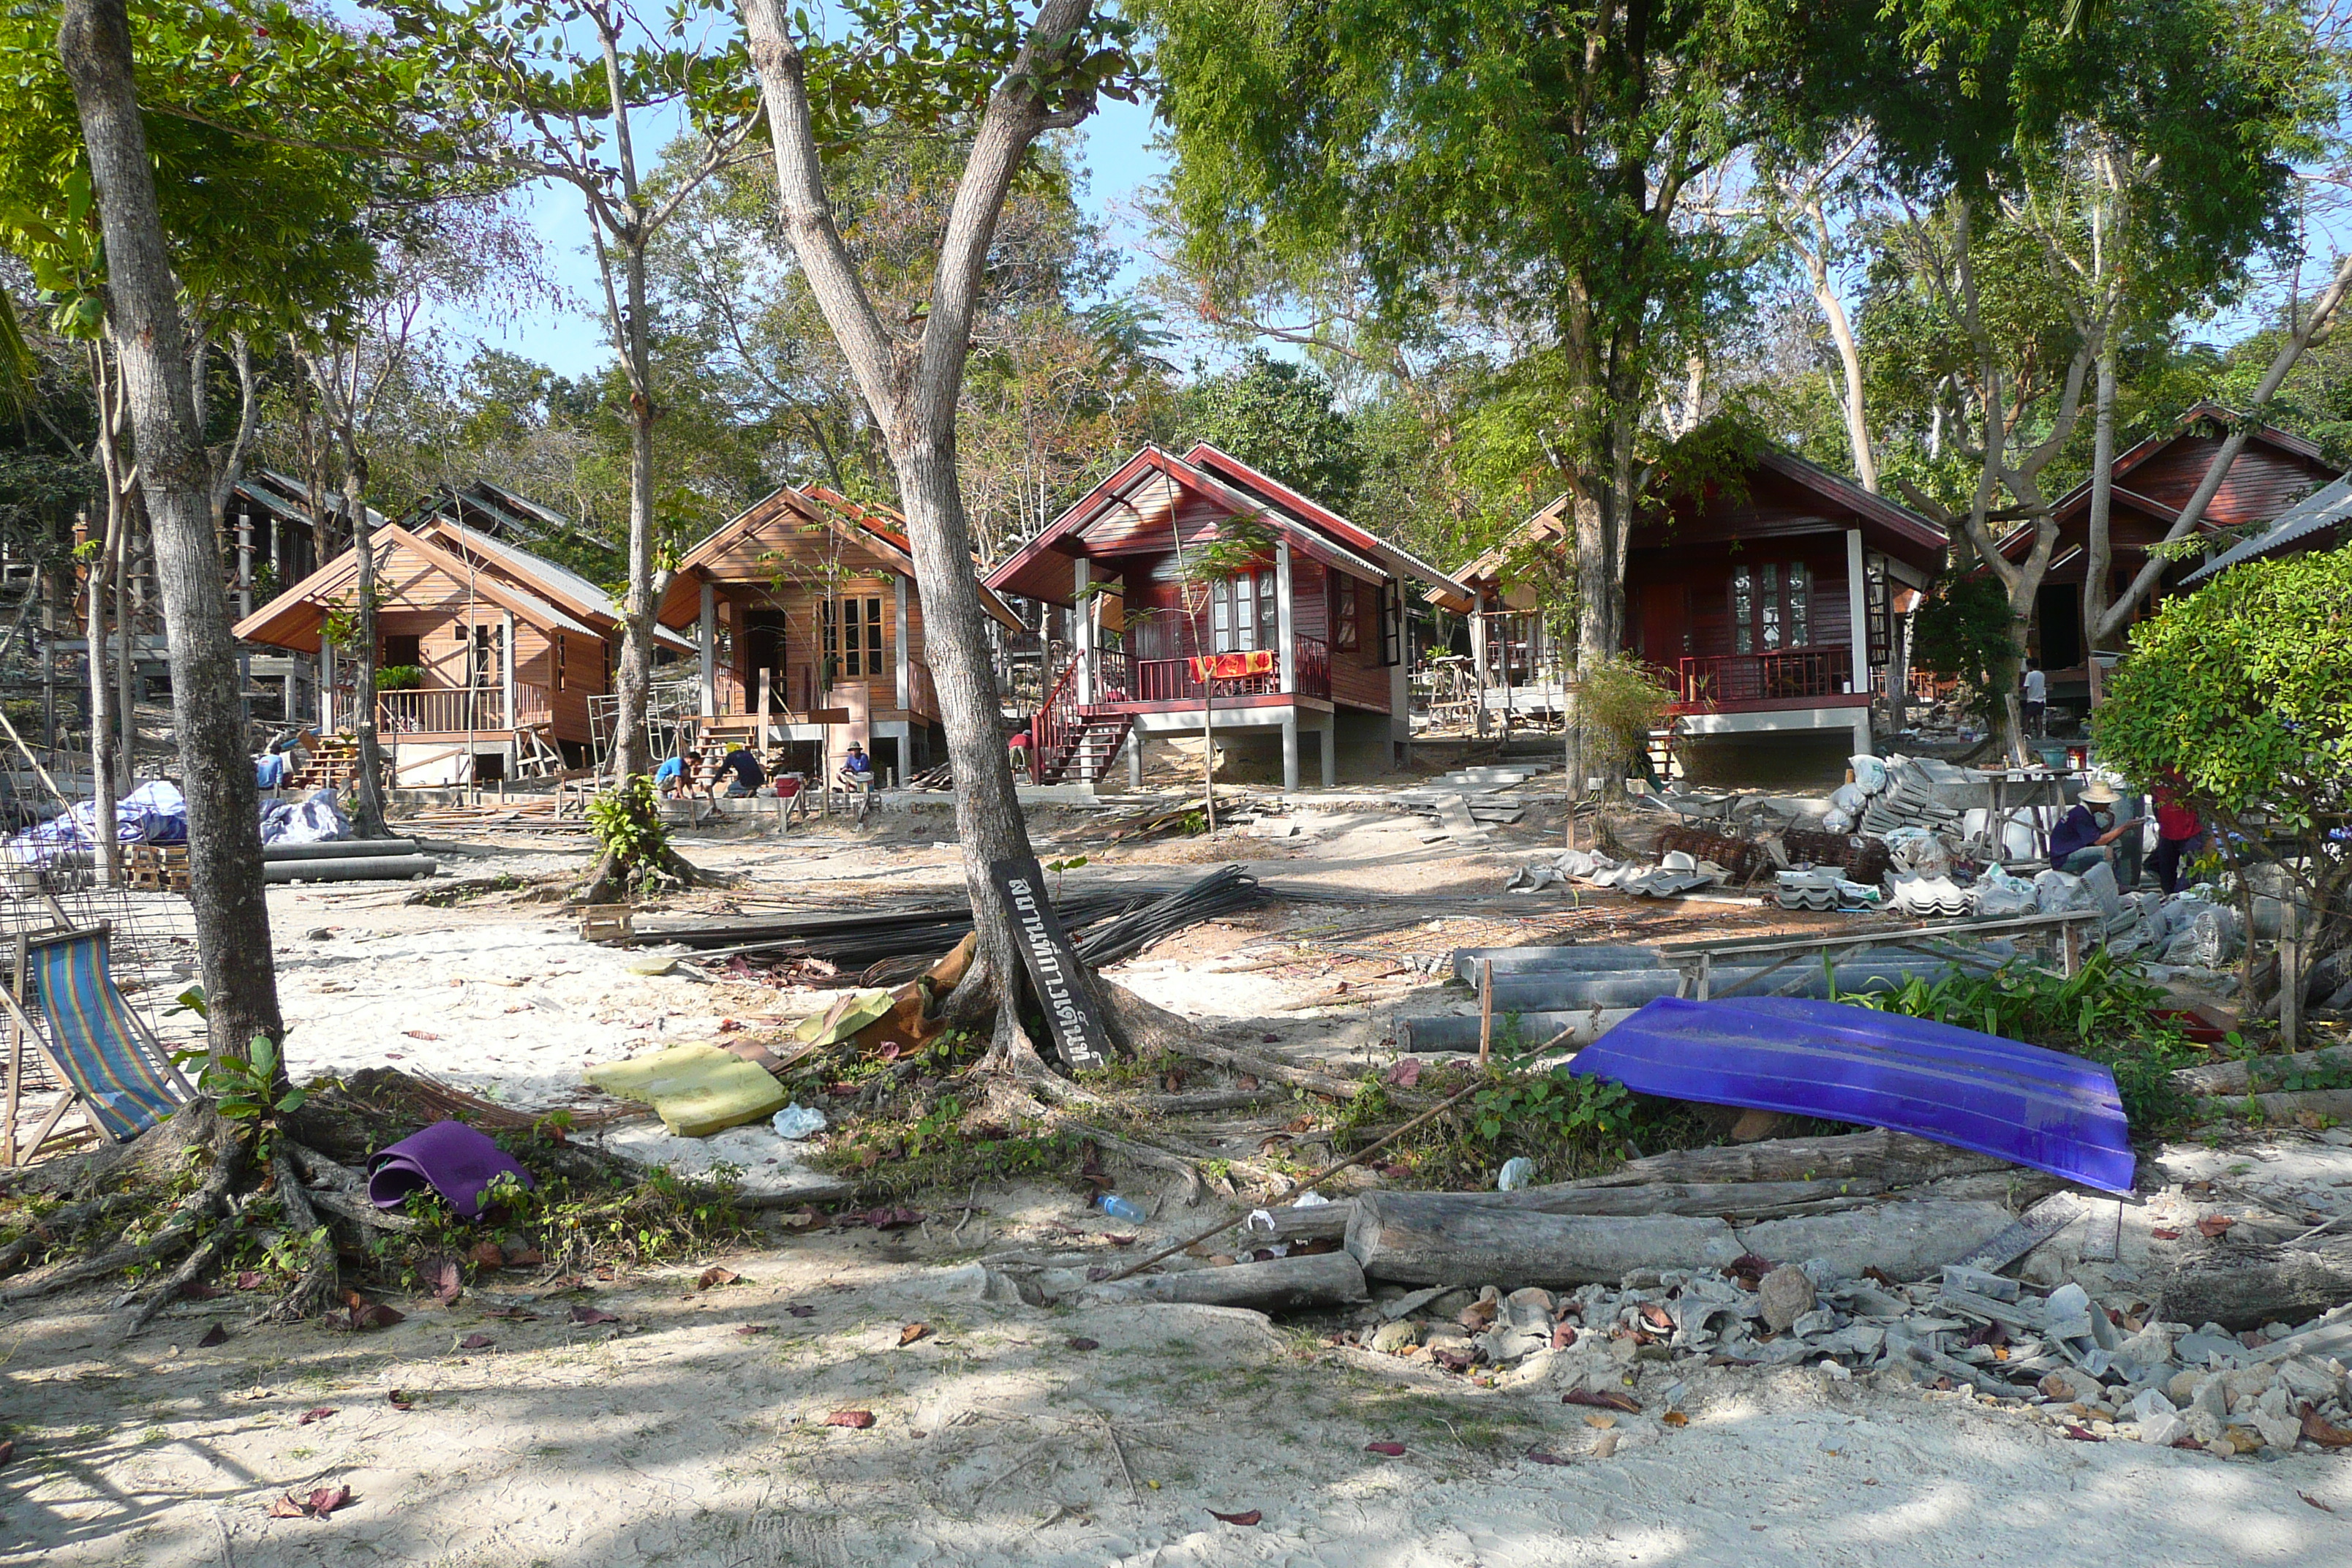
[(157, 867)]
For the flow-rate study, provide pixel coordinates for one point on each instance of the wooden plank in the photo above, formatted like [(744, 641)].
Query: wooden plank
[(1742, 946), (2034, 1227), (1054, 973)]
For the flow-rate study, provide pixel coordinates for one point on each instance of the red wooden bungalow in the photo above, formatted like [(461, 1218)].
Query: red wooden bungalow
[(1307, 633), (2152, 482), (1769, 602)]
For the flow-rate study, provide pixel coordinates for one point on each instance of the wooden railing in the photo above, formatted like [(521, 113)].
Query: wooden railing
[(1716, 678), (457, 710), (1055, 729), (1172, 679)]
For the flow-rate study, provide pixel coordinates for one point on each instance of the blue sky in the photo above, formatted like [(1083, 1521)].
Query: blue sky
[(1119, 156)]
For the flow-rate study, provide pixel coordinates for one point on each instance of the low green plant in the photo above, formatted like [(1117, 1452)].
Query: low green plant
[(626, 821), (245, 1088), (399, 678)]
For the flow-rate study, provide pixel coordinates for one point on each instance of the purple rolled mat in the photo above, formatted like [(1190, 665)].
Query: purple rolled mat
[(451, 1158)]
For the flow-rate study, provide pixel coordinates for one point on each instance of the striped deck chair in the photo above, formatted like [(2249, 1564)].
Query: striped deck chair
[(100, 1050)]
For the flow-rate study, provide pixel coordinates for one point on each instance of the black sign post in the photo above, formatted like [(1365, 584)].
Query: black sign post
[(1052, 964)]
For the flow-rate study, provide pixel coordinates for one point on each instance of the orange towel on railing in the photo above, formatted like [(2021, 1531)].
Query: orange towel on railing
[(1232, 666)]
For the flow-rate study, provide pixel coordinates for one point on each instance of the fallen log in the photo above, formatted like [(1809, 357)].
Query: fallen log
[(2282, 1106), (2246, 1287), (1443, 1238), (1896, 1158), (1323, 1222), (1282, 1285), (2238, 1076), (1906, 1240), (1724, 1200)]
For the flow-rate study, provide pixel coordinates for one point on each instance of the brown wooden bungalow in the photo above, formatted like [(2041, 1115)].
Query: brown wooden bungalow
[(1769, 602), (2153, 481), (808, 631), (1309, 634), (510, 648)]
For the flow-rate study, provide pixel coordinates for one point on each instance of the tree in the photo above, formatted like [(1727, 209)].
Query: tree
[(241, 268), (2240, 695), (142, 307), (1277, 416), (1003, 85), (553, 91)]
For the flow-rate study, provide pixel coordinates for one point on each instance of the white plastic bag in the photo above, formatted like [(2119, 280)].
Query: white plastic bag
[(796, 1122)]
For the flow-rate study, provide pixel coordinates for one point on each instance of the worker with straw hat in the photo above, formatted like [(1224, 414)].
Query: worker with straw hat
[(2095, 830)]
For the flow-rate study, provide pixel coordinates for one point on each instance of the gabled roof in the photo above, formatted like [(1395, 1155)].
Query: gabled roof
[(2286, 441), (1041, 569), (2330, 506), (1889, 526), (874, 530), (558, 584), (293, 619)]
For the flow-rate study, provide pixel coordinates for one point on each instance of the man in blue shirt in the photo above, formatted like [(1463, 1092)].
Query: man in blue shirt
[(676, 774), (858, 768), (2091, 832)]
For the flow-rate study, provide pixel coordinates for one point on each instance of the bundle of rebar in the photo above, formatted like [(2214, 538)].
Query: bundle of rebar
[(1105, 926)]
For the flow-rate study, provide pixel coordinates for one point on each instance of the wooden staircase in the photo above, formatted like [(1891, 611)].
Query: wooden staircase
[(1074, 742)]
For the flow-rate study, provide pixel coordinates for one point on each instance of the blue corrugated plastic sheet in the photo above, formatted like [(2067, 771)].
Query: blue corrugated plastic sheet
[(2039, 1107)]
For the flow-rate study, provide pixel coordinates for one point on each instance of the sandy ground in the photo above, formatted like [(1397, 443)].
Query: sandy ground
[(671, 1437)]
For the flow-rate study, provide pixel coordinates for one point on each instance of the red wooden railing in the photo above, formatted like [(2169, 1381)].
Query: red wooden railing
[(1056, 725), (1764, 677), (1172, 679)]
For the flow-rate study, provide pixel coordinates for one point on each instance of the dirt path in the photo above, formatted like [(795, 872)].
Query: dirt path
[(673, 1437)]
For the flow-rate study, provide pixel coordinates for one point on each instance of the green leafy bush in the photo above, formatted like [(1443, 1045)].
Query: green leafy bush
[(626, 824)]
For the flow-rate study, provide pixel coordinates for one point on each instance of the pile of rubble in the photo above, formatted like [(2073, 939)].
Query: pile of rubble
[(2098, 1364)]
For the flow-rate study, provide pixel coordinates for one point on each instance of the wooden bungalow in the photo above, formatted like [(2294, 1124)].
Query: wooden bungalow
[(1769, 602), (808, 634), (1306, 634), (509, 649), (2274, 471)]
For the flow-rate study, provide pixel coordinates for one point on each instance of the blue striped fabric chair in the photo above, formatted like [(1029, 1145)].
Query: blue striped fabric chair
[(109, 1063)]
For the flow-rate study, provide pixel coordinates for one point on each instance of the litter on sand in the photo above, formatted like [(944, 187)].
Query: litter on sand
[(695, 1089)]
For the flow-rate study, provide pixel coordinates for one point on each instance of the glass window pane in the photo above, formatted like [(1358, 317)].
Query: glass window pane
[(1743, 611), (1770, 599), (1800, 607)]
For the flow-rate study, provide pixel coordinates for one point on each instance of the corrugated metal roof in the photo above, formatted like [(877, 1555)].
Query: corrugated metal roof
[(2330, 506)]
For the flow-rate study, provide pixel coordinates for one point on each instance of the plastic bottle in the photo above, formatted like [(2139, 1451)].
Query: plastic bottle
[(1516, 1172), (1119, 1207)]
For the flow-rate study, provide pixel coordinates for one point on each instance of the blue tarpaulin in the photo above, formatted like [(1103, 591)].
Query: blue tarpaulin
[(2018, 1103)]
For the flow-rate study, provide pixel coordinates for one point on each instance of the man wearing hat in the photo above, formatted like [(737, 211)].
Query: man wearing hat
[(2094, 831)]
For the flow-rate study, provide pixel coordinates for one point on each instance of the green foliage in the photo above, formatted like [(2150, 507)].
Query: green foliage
[(399, 678), (1619, 700), (245, 1088), (2243, 691), (626, 821), (2104, 1013), (1962, 633), (1277, 416)]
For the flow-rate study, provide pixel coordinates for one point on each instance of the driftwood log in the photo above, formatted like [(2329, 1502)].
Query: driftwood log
[(1442, 1239), (1895, 1159), (2236, 1077), (2242, 1287), (1282, 1285)]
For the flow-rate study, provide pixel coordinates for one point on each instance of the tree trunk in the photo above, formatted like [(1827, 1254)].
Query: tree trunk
[(104, 739), (1445, 1238), (367, 817), (989, 823), (632, 748), (126, 606), (2099, 552), (232, 918)]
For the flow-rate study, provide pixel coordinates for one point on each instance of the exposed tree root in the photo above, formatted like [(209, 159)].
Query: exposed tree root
[(316, 1287), (229, 1164), (201, 1257), (613, 881), (61, 1223)]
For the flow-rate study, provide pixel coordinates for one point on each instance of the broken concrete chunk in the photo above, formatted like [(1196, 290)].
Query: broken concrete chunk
[(1390, 1338), (1787, 1294), (1412, 1301), (1976, 1282), (2163, 1431)]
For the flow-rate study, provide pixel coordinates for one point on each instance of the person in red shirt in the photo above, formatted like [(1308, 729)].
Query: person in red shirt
[(2177, 831)]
